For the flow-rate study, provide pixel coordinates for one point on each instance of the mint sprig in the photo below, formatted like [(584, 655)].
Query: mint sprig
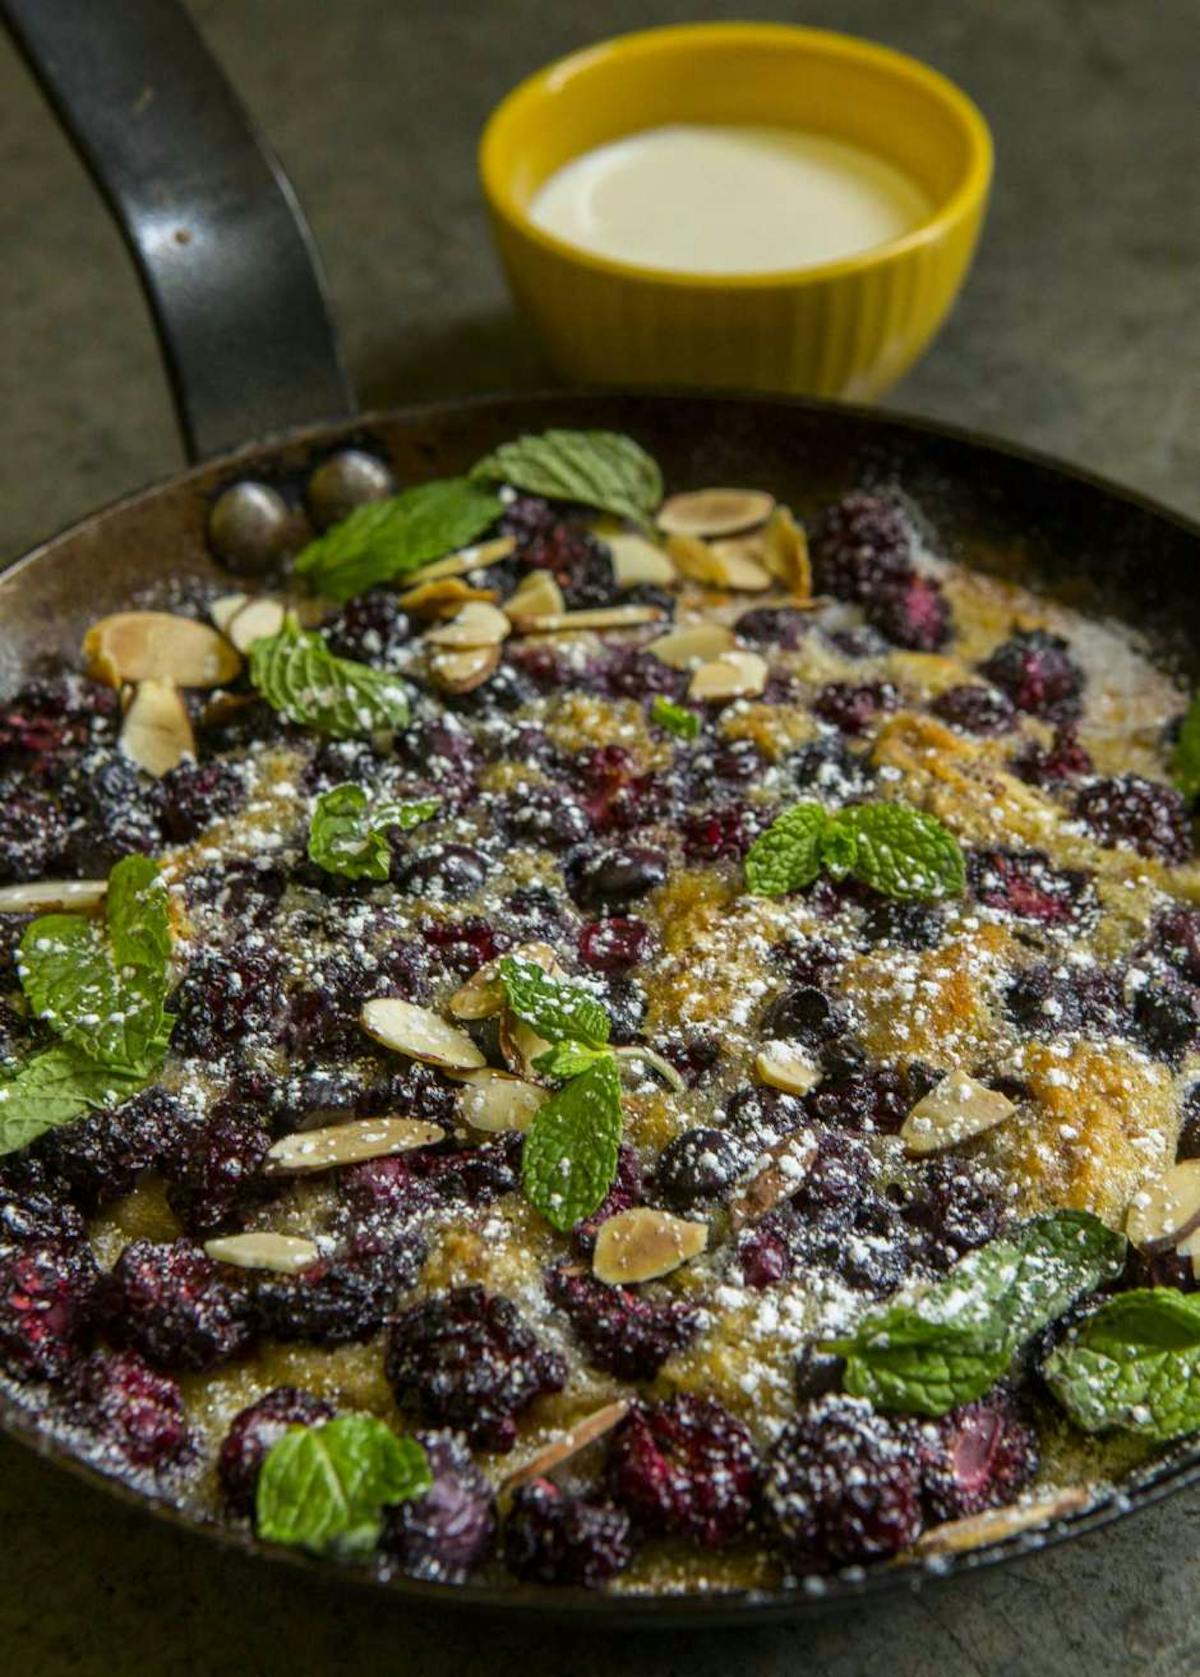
[(558, 1012), (564, 1060), (572, 1146), (325, 1488), (600, 469), (1134, 1366), (348, 833), (386, 539), (950, 1342), (55, 1086), (1185, 759), (897, 850), (676, 719), (300, 678)]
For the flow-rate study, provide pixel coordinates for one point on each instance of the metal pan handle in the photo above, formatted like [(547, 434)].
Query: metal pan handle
[(224, 254)]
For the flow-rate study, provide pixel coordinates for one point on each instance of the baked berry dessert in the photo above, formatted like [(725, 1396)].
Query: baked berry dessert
[(604, 1039)]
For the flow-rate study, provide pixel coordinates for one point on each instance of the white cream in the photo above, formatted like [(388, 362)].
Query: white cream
[(728, 200)]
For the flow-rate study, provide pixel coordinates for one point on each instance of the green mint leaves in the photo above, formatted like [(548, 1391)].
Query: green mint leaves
[(1185, 761), (325, 1488), (55, 1086), (896, 850), (561, 1013), (676, 719), (300, 678), (950, 1342), (600, 469), (1134, 1366), (571, 1148), (348, 834), (386, 539)]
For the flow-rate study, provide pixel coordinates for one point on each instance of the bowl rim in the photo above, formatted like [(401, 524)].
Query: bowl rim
[(965, 197)]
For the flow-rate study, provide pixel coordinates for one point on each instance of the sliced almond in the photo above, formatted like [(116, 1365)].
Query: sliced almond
[(349, 1144), (696, 560), (785, 1065), (1167, 1211), (463, 672), (156, 733), (731, 675), (998, 1523), (785, 554), (496, 1100), (953, 1111), (420, 1033), (462, 563), (538, 596), (257, 620), (48, 895), (224, 610), (636, 560), (520, 1045), (286, 1254), (137, 646), (693, 643), (477, 624), (714, 512), (578, 1438), (780, 1171), (483, 994), (642, 1244), (444, 597), (602, 617), (741, 573)]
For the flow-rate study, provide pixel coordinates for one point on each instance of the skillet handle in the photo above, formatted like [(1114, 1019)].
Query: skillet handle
[(222, 248)]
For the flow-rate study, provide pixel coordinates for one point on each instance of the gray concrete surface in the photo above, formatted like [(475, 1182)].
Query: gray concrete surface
[(1078, 333)]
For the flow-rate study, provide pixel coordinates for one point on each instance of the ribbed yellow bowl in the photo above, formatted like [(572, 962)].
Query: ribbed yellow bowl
[(848, 328)]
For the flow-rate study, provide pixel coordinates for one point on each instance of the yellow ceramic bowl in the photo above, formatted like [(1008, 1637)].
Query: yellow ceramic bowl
[(848, 328)]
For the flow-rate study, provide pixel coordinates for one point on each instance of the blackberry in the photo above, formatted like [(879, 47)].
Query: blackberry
[(979, 1456), (1063, 759), (803, 1014), (463, 946), (614, 946), (370, 629), (614, 878), (133, 1410), (443, 1535), (699, 1166), (194, 795), (875, 1100), (694, 1054), (29, 1212), (171, 1303), (913, 613), (975, 709), (417, 1090), (47, 1302), (46, 725), (1023, 883), (240, 890), (115, 813), (545, 817), (227, 999), (1165, 1017), (551, 1537), (399, 1188), (220, 1179), (1189, 1127), (465, 1359), (578, 562), (841, 1487), (727, 832), (1047, 1001), (102, 1156), (781, 626), (615, 796), (33, 833), (830, 767), (684, 1468), (252, 1433), (1036, 670), (859, 546), (854, 708), (903, 925), (339, 1300), (957, 1207), (445, 872), (534, 913), (1144, 814), (622, 1332), (1176, 937), (757, 1115)]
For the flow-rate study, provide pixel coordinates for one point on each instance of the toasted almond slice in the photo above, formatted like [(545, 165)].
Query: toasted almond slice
[(695, 560), (636, 560), (444, 597), (714, 512), (496, 1100), (156, 733), (953, 1111), (741, 573), (1165, 1212), (693, 643), (785, 553), (49, 895), (998, 1523), (740, 547), (577, 1438), (777, 1175), (158, 646), (731, 675), (785, 1065), (349, 1144), (483, 994), (463, 672), (420, 1033), (256, 620), (462, 563), (642, 1244), (520, 1045), (603, 617), (477, 624), (224, 610), (538, 596), (286, 1254)]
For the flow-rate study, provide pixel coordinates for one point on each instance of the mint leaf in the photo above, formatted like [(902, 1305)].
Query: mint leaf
[(596, 468), (1185, 760), (102, 986), (903, 852), (556, 1011), (950, 1342), (787, 856), (326, 1487), (386, 539), (676, 719), (348, 834), (300, 678), (1133, 1366), (570, 1157), (53, 1087), (568, 1059)]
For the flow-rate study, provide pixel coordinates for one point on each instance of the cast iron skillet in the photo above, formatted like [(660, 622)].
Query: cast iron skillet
[(230, 273)]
